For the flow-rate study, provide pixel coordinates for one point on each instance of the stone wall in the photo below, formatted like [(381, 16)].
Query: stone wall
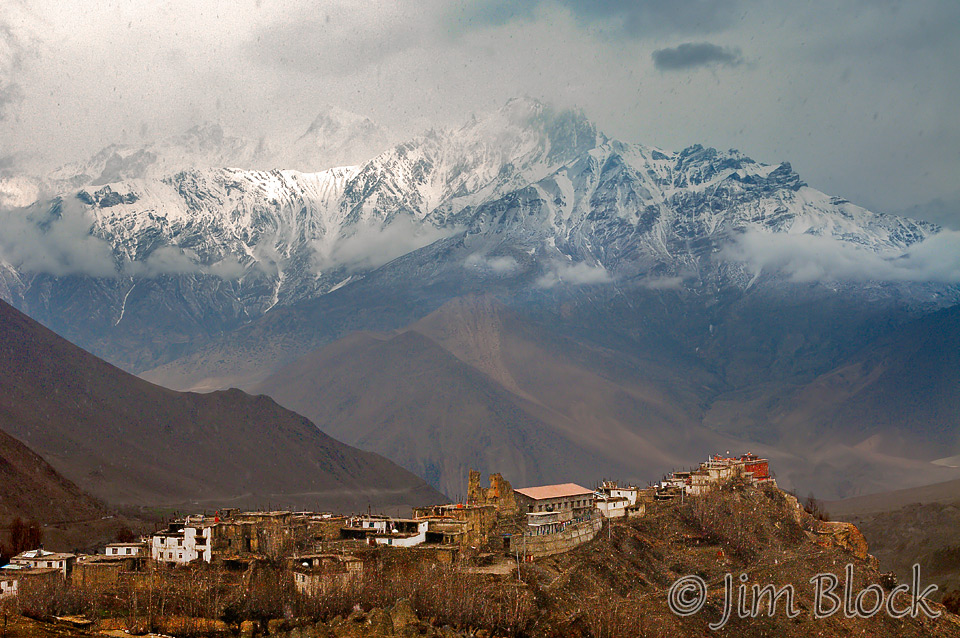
[(549, 544), (500, 493)]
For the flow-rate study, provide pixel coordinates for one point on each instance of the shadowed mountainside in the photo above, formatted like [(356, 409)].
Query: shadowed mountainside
[(34, 490), (130, 442), (476, 385)]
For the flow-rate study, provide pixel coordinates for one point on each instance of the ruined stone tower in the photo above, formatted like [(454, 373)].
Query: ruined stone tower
[(500, 493)]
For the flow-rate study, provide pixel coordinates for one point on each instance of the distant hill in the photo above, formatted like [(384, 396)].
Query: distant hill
[(130, 442), (904, 527), (475, 384), (33, 490)]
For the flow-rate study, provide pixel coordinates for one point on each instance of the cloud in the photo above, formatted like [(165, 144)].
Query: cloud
[(691, 55), (12, 54), (809, 258), (662, 283), (372, 245), (54, 237), (573, 274), (54, 240), (171, 260), (497, 265), (339, 41)]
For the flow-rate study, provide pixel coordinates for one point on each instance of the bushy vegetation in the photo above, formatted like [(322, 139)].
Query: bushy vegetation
[(145, 602)]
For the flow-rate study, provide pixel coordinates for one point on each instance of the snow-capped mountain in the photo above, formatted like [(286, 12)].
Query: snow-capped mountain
[(202, 146), (335, 138), (538, 195)]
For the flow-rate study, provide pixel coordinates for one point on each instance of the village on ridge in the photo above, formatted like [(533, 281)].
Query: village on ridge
[(497, 523)]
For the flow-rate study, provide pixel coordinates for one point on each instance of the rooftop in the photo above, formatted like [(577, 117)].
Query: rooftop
[(561, 490), (34, 554)]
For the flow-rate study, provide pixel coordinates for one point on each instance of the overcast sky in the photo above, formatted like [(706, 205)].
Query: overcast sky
[(862, 98)]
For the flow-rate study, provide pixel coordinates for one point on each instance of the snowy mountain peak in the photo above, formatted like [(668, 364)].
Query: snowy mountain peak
[(199, 147), (560, 201), (336, 137)]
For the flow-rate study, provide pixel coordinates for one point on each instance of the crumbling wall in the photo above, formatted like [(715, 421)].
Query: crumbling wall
[(500, 493)]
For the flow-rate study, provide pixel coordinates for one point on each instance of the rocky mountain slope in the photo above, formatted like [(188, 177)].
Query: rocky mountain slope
[(906, 527), (130, 442)]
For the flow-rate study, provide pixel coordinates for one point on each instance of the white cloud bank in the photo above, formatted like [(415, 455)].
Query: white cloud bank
[(574, 274), (59, 241), (809, 258), (498, 265), (371, 245), (56, 244)]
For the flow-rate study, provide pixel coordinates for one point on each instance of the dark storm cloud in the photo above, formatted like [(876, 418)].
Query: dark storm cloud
[(694, 54), (625, 18)]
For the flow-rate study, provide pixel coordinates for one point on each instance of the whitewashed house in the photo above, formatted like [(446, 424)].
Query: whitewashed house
[(125, 549), (42, 559), (183, 544), (612, 506), (8, 583), (384, 530)]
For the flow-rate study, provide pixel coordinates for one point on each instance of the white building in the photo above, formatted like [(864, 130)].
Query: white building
[(8, 583), (12, 575), (404, 533), (383, 530), (614, 501), (182, 544), (125, 549), (612, 506), (41, 559)]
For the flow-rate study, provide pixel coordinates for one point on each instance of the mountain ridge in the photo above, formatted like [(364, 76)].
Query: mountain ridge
[(130, 442), (239, 243)]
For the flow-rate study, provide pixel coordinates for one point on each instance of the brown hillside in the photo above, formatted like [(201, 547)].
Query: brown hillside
[(617, 585), (130, 442), (475, 385), (34, 490)]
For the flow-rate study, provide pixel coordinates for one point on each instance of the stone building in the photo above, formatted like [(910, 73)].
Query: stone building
[(500, 493), (315, 573), (459, 524), (571, 501), (14, 576)]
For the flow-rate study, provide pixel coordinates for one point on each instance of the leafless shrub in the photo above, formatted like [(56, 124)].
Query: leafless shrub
[(815, 508), (435, 591)]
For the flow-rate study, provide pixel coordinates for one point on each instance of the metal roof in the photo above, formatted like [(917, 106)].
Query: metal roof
[(554, 491)]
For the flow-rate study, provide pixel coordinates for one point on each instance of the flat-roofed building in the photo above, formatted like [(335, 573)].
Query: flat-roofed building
[(569, 500), (42, 559), (126, 549), (13, 576)]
